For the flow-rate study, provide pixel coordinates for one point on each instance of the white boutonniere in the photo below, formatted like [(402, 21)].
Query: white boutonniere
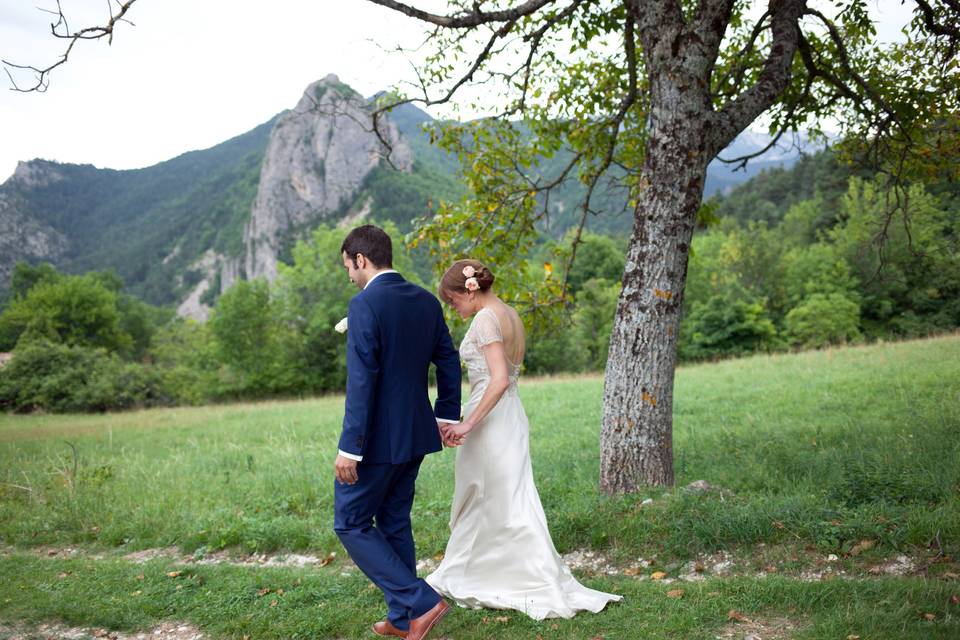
[(341, 327)]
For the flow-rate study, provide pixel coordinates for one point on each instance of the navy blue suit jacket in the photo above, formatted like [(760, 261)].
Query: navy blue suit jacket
[(395, 329)]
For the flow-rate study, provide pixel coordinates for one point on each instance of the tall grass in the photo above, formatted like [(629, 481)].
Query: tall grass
[(867, 437)]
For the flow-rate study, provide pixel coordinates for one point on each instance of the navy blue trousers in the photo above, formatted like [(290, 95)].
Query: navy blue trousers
[(372, 520)]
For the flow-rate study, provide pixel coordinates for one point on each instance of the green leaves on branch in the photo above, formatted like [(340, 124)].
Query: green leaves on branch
[(497, 224)]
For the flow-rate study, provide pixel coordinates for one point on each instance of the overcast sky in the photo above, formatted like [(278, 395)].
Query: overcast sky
[(192, 73)]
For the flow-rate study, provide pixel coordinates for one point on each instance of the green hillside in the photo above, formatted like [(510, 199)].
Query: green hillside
[(130, 221), (150, 224), (820, 176)]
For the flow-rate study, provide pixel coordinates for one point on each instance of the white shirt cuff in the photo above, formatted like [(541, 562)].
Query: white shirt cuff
[(448, 421), (351, 456)]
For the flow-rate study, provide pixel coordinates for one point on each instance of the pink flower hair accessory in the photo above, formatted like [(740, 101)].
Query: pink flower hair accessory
[(471, 284), (469, 271)]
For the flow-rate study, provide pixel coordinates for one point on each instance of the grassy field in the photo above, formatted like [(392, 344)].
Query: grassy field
[(829, 464)]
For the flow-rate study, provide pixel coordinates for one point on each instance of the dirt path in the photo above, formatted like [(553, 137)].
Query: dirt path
[(757, 562), (165, 631)]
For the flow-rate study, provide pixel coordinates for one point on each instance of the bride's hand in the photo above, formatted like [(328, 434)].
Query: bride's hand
[(445, 435), (442, 430), (456, 433)]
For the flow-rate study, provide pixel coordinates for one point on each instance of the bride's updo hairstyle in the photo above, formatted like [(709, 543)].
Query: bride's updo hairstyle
[(455, 279)]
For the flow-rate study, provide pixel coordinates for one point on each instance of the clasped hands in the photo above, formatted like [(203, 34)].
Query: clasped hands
[(454, 434)]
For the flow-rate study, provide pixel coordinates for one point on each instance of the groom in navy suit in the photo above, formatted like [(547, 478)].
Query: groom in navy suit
[(395, 329)]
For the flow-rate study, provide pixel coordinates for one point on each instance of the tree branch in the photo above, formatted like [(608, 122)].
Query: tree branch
[(653, 16), (739, 70), (737, 115), (534, 39), (806, 55), (629, 47), (470, 19), (845, 61), (710, 22), (60, 29), (741, 161), (426, 100), (549, 24), (929, 19)]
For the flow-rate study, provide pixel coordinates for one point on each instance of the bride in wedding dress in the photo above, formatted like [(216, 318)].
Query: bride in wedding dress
[(500, 554)]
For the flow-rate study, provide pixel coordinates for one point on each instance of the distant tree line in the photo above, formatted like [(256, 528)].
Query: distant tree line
[(774, 272)]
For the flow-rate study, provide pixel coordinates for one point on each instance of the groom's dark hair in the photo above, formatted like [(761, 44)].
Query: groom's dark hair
[(373, 242)]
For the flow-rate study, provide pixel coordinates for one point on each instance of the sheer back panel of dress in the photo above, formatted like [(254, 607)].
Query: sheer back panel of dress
[(508, 328)]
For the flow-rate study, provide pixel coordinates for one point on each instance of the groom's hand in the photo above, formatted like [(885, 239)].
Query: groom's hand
[(448, 436), (346, 470), (443, 427)]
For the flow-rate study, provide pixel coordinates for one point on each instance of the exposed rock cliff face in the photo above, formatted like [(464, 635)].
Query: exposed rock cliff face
[(316, 161), (193, 306), (33, 174), (21, 236), (315, 164)]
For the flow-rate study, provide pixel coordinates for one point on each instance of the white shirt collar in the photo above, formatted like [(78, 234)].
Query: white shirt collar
[(379, 273)]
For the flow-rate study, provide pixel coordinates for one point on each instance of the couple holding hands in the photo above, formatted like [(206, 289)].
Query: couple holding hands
[(500, 554)]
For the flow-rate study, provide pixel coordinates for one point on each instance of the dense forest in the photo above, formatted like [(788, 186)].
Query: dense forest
[(796, 258)]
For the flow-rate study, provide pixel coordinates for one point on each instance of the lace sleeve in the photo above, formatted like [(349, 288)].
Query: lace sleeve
[(486, 329)]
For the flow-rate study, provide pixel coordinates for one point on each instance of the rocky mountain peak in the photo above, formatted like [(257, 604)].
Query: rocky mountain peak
[(326, 93), (34, 173), (315, 163), (317, 158)]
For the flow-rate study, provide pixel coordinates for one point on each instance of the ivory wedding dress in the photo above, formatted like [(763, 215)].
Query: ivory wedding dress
[(500, 554)]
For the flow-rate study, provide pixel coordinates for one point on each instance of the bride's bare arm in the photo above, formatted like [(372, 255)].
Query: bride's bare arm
[(496, 359)]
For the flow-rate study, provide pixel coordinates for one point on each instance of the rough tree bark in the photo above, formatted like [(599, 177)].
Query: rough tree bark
[(684, 134)]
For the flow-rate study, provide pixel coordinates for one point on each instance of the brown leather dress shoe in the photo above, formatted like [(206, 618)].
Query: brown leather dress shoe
[(420, 627), (385, 628)]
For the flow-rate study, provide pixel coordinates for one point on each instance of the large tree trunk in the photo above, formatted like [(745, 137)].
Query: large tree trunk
[(636, 441), (684, 134), (636, 438)]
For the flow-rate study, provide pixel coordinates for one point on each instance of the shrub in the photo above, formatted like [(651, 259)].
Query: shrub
[(823, 319), (62, 378), (728, 324)]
